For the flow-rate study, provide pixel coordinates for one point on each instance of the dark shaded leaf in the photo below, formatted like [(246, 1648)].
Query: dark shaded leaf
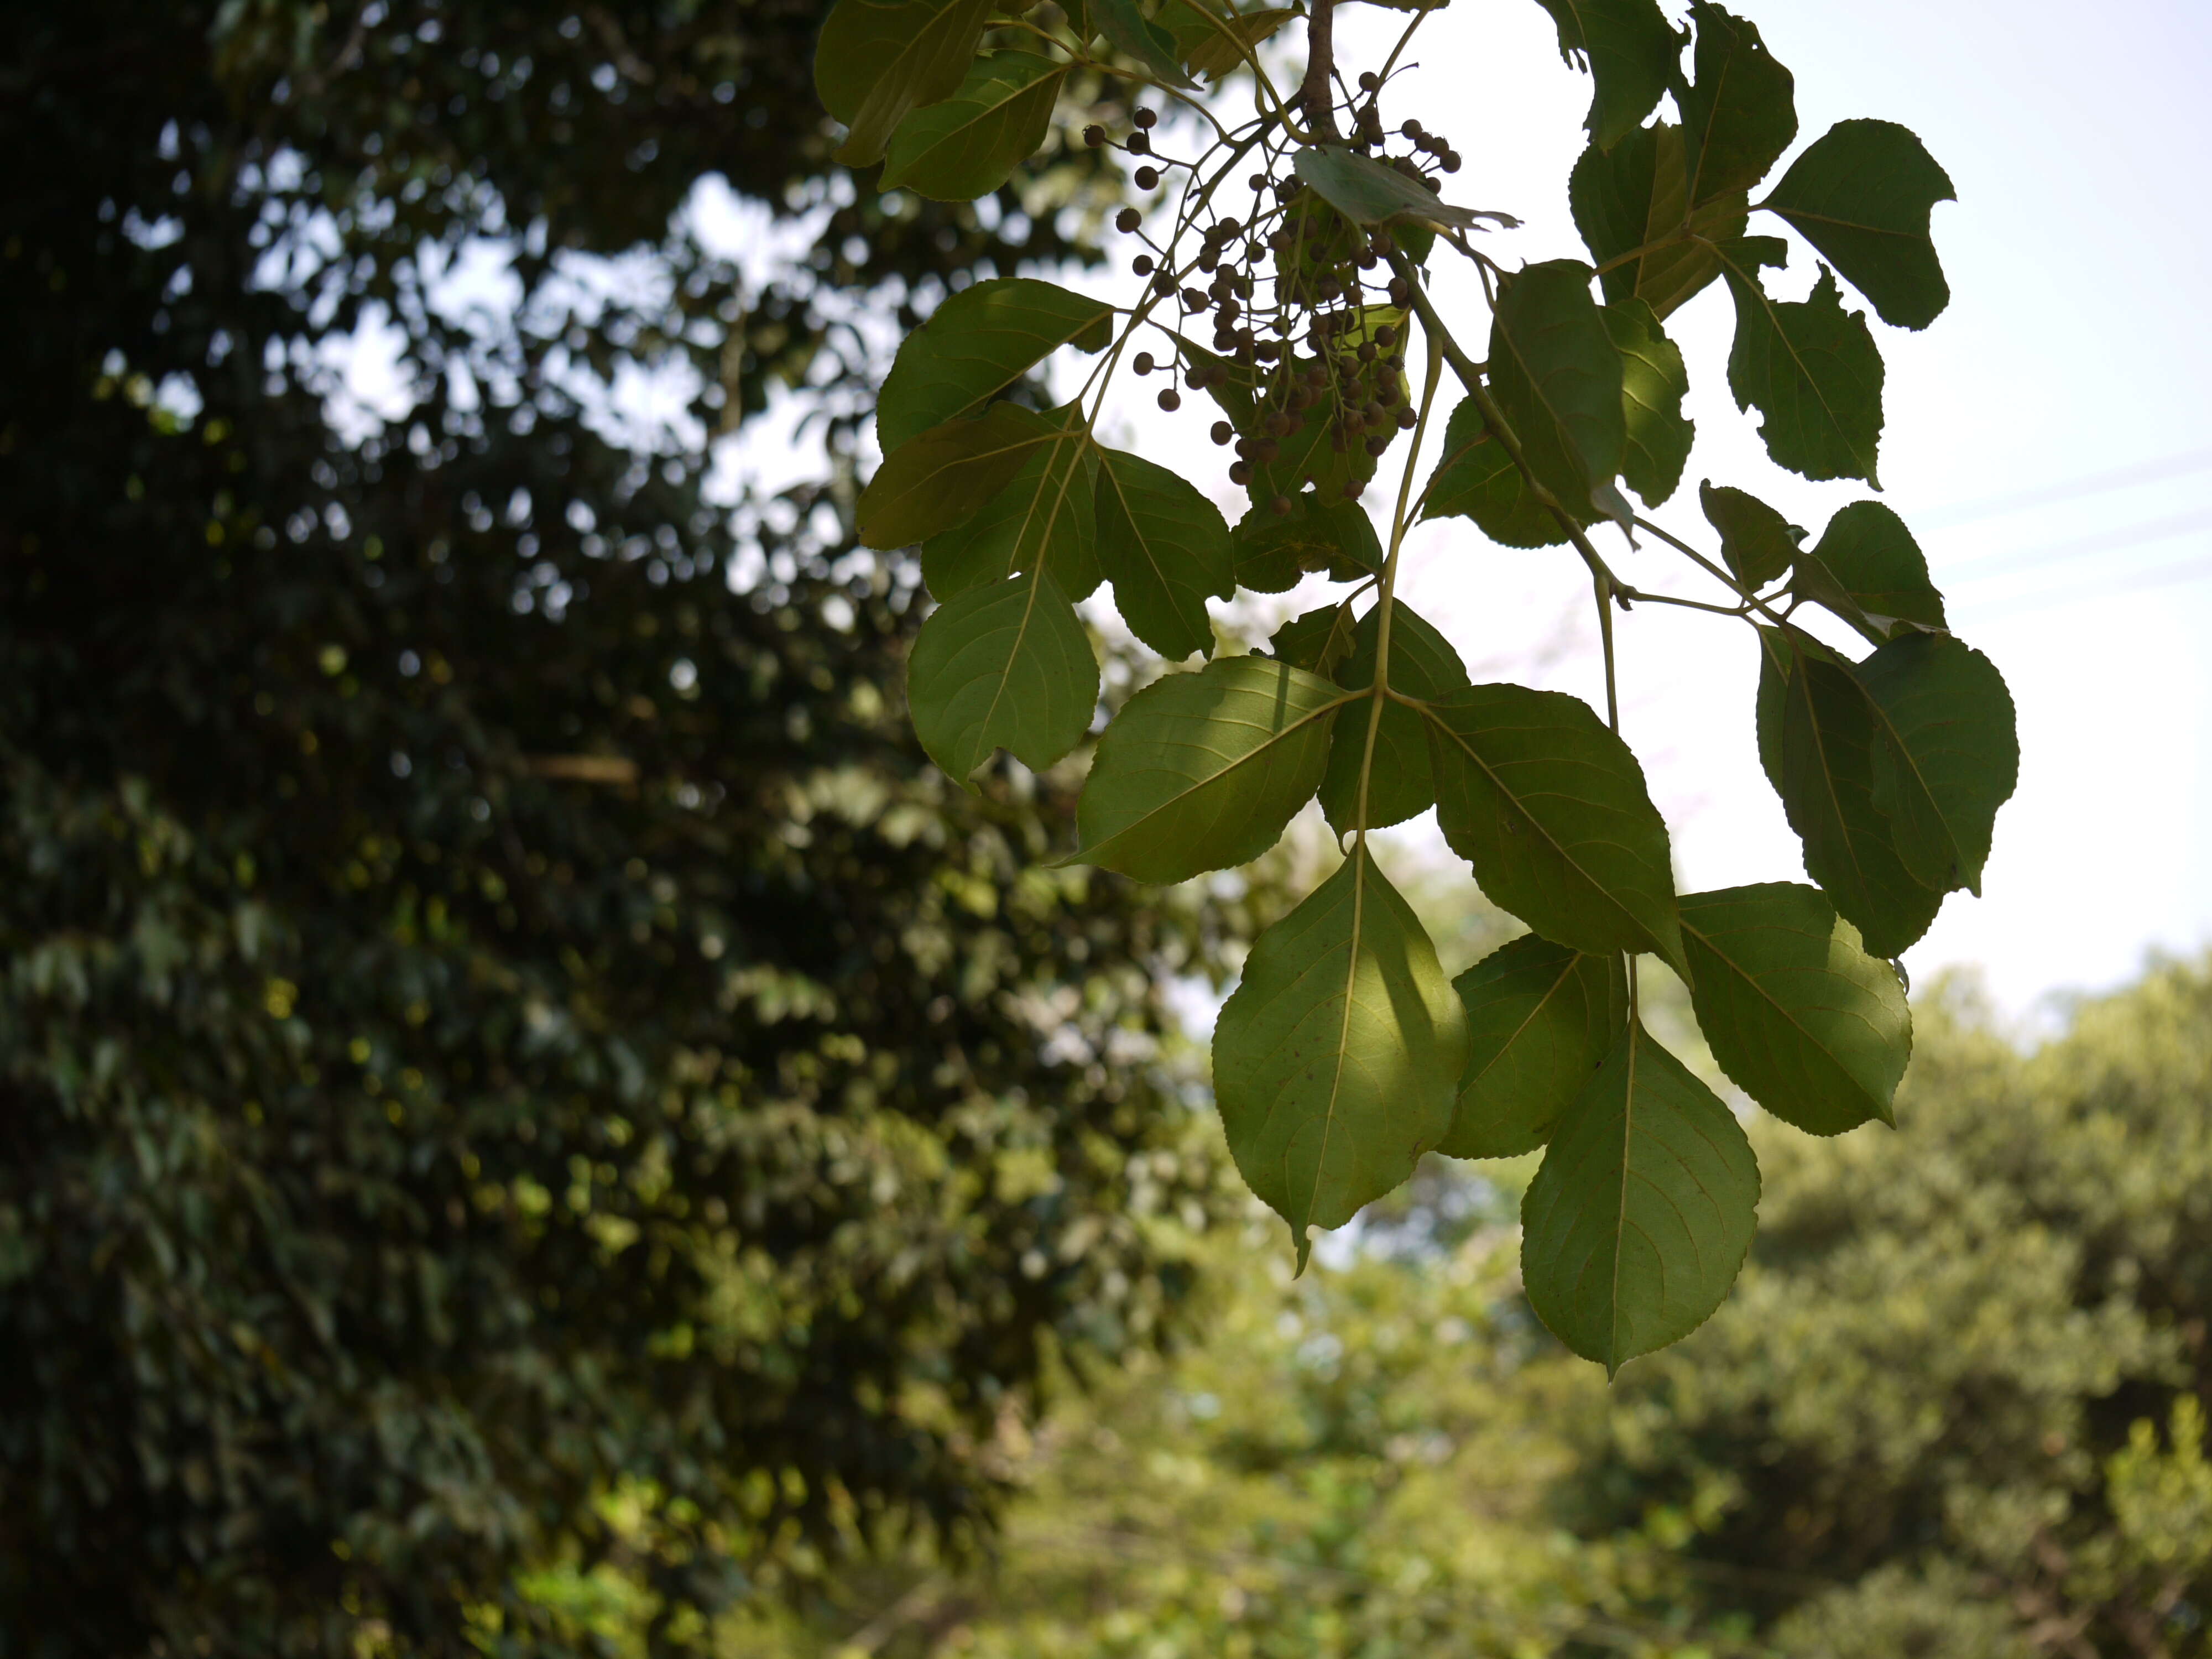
[(1006, 665), (1557, 378), (1756, 543), (1631, 51), (879, 58), (1811, 369), (1869, 571), (1863, 195), (1272, 551), (977, 343), (1043, 519), (970, 145), (944, 477), (1422, 664), (1165, 548), (1476, 479), (1636, 197), (1739, 112), (1368, 193), (1135, 36), (1205, 49), (1948, 755), (1317, 641)]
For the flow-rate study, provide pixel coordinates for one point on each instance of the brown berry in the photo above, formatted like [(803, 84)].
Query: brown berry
[(1451, 160), (1146, 118), (1146, 178), (1138, 144), (1221, 432), (1369, 80), (1376, 445), (1354, 489), (1240, 472), (1094, 135), (1128, 219), (1400, 291), (1142, 264), (1407, 419), (1412, 128), (1170, 400), (1142, 363)]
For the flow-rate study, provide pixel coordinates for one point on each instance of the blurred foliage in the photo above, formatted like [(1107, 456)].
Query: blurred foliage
[(508, 1055), (1957, 1409)]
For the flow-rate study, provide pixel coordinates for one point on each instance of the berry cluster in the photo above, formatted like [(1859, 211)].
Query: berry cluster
[(1308, 321)]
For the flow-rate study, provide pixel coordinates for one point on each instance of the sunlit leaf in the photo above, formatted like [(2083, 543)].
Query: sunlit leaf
[(1551, 809), (1641, 1213), (1005, 665), (1653, 383), (1539, 1019), (1333, 1061), (970, 145), (879, 58), (1399, 784), (1863, 195), (945, 476), (977, 343), (1631, 52), (1201, 771), (1043, 519), (1794, 1009)]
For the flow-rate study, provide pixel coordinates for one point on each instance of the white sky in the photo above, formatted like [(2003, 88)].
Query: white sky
[(2075, 346)]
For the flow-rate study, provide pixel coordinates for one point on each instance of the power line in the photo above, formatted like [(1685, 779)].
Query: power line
[(1992, 506), (2169, 575), (1992, 566)]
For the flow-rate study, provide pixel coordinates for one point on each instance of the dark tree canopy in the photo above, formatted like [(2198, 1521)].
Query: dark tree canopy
[(497, 1015)]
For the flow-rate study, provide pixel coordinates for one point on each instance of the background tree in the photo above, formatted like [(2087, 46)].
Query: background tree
[(498, 1022)]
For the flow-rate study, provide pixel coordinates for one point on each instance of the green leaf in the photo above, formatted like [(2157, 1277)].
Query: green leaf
[(1557, 378), (1006, 665), (1817, 741), (1165, 548), (1551, 809), (1869, 571), (1756, 543), (1639, 1218), (1948, 755), (1369, 192), (1863, 195), (1796, 1011), (1044, 519), (1135, 36), (970, 145), (1400, 784), (1739, 112), (1201, 771), (1272, 551), (1631, 52), (1540, 1017), (879, 58), (1636, 195), (1813, 370), (944, 477), (1317, 641), (1477, 479), (1204, 46), (1334, 1061), (977, 343), (1653, 383)]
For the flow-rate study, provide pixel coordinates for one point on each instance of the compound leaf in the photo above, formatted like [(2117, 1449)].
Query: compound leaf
[(1540, 1017), (977, 343), (1756, 543), (1948, 755), (1557, 378), (1422, 664), (1863, 195), (1201, 771), (1004, 666), (1042, 519), (1796, 1011), (945, 476), (1631, 52), (1638, 1220), (1813, 370), (1477, 479), (1653, 383), (879, 58), (1165, 548), (1334, 1059), (1550, 808), (970, 145), (1739, 112)]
